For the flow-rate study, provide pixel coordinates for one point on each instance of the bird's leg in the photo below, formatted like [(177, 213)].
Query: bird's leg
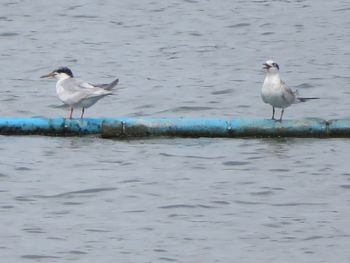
[(82, 112), (71, 113), (280, 120), (273, 113)]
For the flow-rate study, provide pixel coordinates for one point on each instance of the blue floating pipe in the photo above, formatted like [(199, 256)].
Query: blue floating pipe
[(175, 127), (54, 127)]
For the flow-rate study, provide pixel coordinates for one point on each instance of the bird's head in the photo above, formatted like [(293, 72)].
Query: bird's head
[(271, 66), (60, 73)]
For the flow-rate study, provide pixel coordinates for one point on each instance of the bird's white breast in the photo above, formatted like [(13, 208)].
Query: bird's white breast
[(272, 91), (65, 96)]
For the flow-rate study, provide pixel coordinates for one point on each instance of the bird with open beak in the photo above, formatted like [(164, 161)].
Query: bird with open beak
[(275, 92)]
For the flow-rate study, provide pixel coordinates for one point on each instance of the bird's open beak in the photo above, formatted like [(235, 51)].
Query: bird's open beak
[(51, 74), (266, 66)]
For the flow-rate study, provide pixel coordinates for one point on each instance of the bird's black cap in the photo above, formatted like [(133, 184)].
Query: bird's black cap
[(64, 70)]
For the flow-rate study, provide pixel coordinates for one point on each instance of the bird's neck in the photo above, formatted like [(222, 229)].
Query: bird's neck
[(272, 76), (59, 87), (63, 77)]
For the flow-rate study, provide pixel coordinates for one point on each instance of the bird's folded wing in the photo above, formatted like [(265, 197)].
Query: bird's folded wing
[(76, 97), (84, 85), (288, 94), (75, 85), (108, 86)]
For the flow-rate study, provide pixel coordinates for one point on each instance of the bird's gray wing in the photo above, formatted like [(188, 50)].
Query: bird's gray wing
[(73, 85), (108, 86), (83, 84), (288, 94), (77, 90)]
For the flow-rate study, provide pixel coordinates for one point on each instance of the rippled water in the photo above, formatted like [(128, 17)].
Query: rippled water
[(175, 200)]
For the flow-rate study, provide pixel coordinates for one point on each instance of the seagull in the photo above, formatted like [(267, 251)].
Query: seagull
[(275, 92), (77, 93)]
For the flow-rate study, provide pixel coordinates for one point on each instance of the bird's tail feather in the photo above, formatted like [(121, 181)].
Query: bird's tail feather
[(108, 86), (301, 99)]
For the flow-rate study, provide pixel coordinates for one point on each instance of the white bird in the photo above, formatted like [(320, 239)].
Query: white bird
[(77, 93), (275, 92)]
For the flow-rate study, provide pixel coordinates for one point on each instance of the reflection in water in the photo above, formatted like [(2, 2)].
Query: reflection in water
[(279, 147)]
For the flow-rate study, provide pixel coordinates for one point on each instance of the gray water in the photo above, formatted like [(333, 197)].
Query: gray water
[(175, 200)]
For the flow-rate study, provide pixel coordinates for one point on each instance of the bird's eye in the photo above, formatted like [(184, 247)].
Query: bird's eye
[(275, 65)]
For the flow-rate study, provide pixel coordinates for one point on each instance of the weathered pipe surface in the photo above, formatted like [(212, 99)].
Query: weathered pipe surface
[(175, 127), (53, 127)]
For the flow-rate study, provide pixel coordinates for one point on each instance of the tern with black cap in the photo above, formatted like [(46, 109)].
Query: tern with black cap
[(77, 93)]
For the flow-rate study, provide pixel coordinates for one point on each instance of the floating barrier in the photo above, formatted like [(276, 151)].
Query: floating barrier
[(175, 127)]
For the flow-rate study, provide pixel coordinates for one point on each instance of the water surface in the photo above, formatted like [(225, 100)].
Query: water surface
[(175, 200)]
